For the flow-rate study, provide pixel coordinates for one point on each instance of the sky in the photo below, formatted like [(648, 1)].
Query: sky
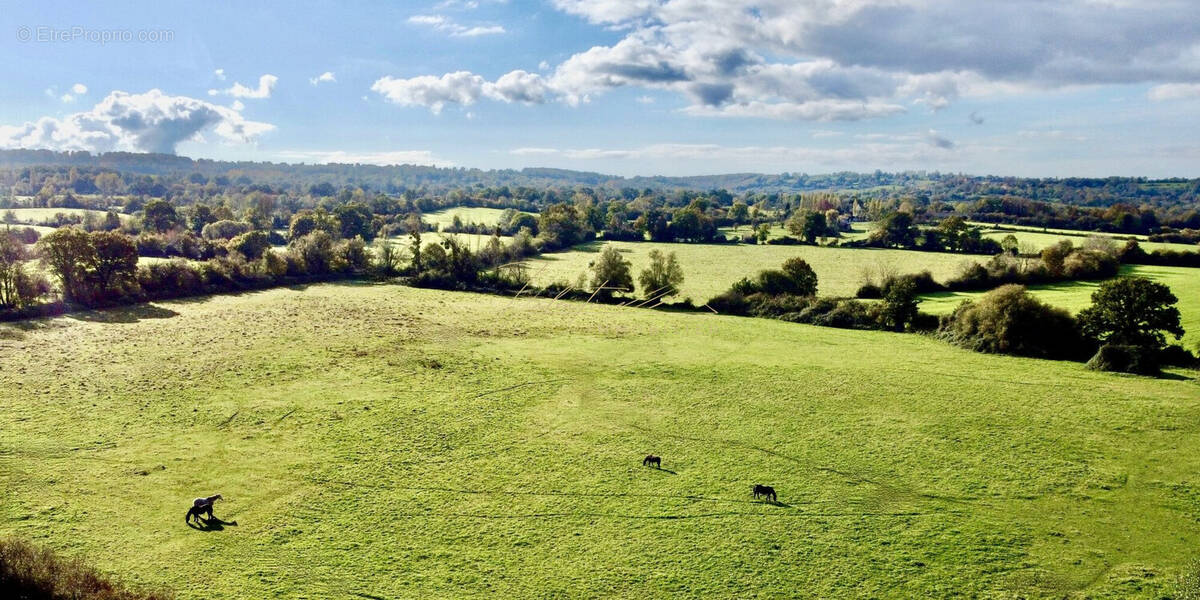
[(1045, 88)]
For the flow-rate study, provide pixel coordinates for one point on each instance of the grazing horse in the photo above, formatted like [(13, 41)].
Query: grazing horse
[(201, 506), (652, 460), (764, 491)]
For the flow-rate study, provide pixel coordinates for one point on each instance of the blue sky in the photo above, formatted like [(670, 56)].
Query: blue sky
[(678, 87)]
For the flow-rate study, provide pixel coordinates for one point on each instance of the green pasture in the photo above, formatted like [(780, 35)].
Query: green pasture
[(468, 214), (35, 216), (1038, 240), (710, 269), (377, 441)]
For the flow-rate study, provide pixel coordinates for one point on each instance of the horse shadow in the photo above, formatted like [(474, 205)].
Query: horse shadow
[(662, 470), (213, 524)]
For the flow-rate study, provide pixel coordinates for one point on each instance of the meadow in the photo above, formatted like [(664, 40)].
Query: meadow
[(709, 269), (383, 442), (36, 216), (1077, 295), (1038, 239), (467, 214)]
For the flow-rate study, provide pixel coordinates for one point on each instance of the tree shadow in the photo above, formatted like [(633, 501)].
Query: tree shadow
[(124, 314), (213, 524), (1172, 376)]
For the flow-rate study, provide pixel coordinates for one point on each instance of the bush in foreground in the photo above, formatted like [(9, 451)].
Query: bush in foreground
[(1008, 320), (32, 573), (1125, 359)]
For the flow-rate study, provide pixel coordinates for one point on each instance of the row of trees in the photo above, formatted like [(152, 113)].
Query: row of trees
[(790, 293)]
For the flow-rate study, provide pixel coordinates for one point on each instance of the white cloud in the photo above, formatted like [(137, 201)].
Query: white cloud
[(1174, 91), (326, 77), (266, 84), (148, 122), (533, 151), (454, 29), (829, 60), (394, 157), (220, 74), (79, 89), (462, 87), (237, 105), (67, 98)]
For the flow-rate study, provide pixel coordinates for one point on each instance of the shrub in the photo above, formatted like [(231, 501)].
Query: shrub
[(1007, 320), (34, 573), (732, 302), (173, 279), (224, 230), (149, 244), (868, 291), (314, 251), (251, 244), (1125, 359), (352, 255)]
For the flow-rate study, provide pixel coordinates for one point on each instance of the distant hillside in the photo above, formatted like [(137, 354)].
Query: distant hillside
[(920, 186)]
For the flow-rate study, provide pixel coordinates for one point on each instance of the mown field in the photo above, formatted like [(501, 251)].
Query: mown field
[(389, 442), (858, 230), (39, 215), (468, 214), (1039, 239), (1077, 295), (710, 269)]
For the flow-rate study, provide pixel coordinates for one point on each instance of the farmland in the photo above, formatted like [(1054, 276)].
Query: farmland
[(710, 269), (385, 441)]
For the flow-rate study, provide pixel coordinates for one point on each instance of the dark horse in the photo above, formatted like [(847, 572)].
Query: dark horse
[(199, 507), (764, 491), (652, 460)]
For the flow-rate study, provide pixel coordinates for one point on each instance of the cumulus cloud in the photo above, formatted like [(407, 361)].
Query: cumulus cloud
[(219, 74), (79, 89), (149, 122), (858, 59), (326, 77), (462, 87), (266, 84), (453, 28)]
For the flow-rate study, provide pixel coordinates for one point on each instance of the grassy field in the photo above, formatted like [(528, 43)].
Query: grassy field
[(1067, 232), (1077, 295), (858, 230), (40, 215), (711, 269), (389, 442), (468, 214), (1039, 240)]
